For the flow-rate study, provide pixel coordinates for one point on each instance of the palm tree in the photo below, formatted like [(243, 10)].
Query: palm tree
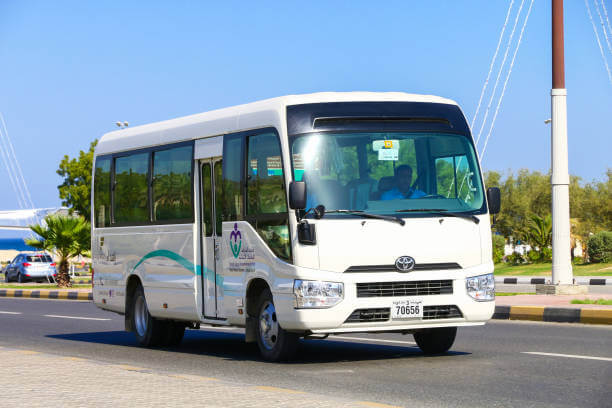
[(66, 237), (539, 233)]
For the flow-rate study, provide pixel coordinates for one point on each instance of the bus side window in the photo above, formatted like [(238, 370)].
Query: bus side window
[(266, 196), (102, 181), (172, 193), (131, 189), (231, 209)]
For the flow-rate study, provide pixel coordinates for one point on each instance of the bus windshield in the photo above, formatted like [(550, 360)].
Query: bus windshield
[(395, 173)]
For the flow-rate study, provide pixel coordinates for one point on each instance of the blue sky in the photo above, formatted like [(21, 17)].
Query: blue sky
[(69, 70)]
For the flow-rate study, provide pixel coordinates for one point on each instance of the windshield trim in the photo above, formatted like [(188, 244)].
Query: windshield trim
[(479, 211)]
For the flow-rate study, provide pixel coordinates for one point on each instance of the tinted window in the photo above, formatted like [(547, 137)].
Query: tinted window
[(102, 180), (232, 176), (207, 204), (39, 258), (265, 182), (172, 193), (218, 173), (131, 189), (266, 198)]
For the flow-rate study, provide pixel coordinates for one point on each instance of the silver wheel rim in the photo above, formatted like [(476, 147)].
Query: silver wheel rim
[(268, 326), (141, 315)]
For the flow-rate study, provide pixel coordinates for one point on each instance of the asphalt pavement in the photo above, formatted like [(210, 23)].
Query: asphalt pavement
[(505, 363)]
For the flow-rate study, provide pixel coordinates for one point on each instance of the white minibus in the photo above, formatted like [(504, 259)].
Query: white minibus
[(297, 216)]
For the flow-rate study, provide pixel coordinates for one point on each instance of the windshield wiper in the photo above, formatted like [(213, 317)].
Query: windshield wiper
[(368, 215), (443, 212)]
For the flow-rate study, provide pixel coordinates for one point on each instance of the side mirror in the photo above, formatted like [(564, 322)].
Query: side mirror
[(297, 195), (494, 200)]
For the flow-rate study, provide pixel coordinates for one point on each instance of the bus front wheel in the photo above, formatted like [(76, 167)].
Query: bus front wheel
[(435, 341), (275, 343)]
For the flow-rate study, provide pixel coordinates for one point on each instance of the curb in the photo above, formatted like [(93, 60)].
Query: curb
[(46, 294), (553, 314), (542, 281)]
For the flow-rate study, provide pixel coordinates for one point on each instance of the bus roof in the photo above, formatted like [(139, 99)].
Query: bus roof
[(268, 112)]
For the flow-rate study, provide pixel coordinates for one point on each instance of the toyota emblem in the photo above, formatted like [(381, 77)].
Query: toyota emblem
[(404, 263)]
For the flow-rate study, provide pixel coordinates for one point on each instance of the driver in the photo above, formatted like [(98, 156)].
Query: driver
[(403, 181)]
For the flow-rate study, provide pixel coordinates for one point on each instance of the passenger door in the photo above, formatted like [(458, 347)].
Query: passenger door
[(210, 193)]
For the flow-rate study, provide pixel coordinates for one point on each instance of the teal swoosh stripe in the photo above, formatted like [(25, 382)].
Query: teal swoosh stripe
[(164, 253), (185, 263)]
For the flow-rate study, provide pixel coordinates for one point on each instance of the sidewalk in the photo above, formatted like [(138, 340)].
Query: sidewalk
[(60, 381), (553, 308)]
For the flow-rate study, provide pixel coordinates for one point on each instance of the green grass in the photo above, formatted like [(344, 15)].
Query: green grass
[(544, 269), (36, 287), (607, 302)]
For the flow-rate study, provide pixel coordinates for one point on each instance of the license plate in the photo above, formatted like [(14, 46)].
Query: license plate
[(407, 309)]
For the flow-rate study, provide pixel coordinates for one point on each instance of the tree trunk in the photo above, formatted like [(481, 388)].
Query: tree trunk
[(63, 277)]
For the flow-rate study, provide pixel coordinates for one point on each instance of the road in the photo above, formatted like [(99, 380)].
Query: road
[(488, 366)]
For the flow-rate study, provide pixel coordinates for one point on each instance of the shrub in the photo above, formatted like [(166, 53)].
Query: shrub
[(533, 256), (599, 247), (516, 259), (538, 256), (498, 248)]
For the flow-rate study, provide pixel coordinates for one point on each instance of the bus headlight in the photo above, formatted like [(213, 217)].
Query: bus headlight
[(481, 287), (317, 294)]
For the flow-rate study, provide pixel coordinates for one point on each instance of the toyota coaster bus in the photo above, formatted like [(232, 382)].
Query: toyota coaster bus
[(297, 216)]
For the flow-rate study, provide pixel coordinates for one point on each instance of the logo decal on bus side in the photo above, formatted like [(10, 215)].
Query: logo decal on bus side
[(236, 245)]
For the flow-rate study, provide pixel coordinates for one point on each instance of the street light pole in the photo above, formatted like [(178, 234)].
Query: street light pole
[(561, 259)]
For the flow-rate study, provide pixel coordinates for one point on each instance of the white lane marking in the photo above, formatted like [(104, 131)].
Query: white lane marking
[(11, 313), (367, 339), (75, 317), (568, 356)]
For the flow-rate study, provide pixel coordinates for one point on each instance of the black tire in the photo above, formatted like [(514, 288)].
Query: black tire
[(148, 330), (173, 333), (6, 277), (275, 343), (20, 278), (436, 341)]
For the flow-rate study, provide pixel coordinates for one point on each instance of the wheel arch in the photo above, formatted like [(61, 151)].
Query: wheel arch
[(255, 288), (133, 282)]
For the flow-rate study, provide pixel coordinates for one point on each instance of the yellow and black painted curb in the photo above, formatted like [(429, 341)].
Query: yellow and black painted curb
[(553, 314), (46, 294)]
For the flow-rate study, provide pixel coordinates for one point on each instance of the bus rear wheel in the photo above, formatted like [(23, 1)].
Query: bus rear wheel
[(148, 330), (275, 343), (435, 341)]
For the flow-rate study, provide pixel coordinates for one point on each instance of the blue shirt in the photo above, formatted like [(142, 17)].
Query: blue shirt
[(395, 194)]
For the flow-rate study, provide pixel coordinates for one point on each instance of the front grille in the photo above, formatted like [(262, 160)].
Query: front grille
[(413, 288), (369, 315), (392, 268), (383, 314), (441, 312)]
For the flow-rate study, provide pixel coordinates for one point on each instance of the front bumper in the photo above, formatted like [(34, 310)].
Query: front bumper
[(334, 319)]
